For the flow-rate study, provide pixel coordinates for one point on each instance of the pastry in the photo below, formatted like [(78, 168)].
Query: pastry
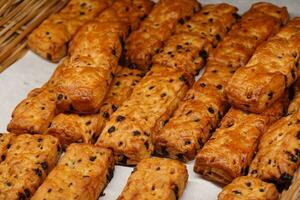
[(156, 179), (6, 140), (82, 173)]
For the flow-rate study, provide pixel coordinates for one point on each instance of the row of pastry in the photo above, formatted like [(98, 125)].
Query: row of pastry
[(88, 92)]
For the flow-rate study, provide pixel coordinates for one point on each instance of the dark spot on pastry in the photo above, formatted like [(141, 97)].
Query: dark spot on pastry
[(93, 158), (211, 110), (181, 21), (105, 115), (60, 97), (120, 118), (82, 13), (219, 87), (146, 144), (188, 142), (188, 113), (120, 144), (151, 87), (248, 184), (203, 85), (214, 71), (298, 135), (229, 124), (180, 157), (44, 165), (178, 47), (141, 75), (111, 129), (163, 95), (8, 184), (157, 168), (253, 172), (261, 190), (203, 54), (83, 4), (8, 146), (218, 37), (165, 122), (286, 178), (132, 66), (88, 122), (27, 192), (293, 74), (270, 95), (136, 133), (118, 83), (297, 152), (39, 139), (49, 57), (164, 151), (114, 108), (201, 144), (171, 80), (246, 105), (205, 13), (22, 196), (236, 192), (183, 78), (38, 172)]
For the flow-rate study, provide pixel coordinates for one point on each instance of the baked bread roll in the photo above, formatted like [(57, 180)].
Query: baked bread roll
[(143, 43), (271, 70), (156, 179), (50, 39), (82, 173), (28, 161), (247, 188)]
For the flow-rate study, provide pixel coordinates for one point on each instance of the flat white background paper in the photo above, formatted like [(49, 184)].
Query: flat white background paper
[(32, 71)]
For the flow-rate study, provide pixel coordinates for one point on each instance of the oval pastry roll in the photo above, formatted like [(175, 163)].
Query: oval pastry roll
[(94, 54), (28, 161), (143, 43), (50, 39), (205, 104), (75, 128), (6, 140), (189, 47), (129, 130), (156, 179), (269, 72), (82, 173), (229, 152), (248, 188)]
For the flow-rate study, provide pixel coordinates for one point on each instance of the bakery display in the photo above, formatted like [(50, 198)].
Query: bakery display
[(50, 39), (246, 188), (271, 70), (82, 173), (205, 103), (156, 179), (143, 43), (28, 161), (167, 87), (75, 128)]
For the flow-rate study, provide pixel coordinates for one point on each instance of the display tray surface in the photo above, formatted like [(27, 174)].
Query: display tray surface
[(32, 71)]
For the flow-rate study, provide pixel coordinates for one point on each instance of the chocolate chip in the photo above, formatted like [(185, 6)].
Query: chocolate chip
[(44, 165), (146, 144), (164, 151), (120, 118), (27, 192), (82, 13), (180, 157), (210, 20), (178, 47), (151, 87), (205, 13), (203, 85), (188, 142), (270, 95), (136, 133), (93, 158), (118, 83), (60, 97), (248, 184), (111, 129), (157, 168), (181, 21), (218, 37), (8, 146), (219, 87), (188, 113), (163, 95), (38, 172), (49, 57), (236, 16), (106, 115), (211, 110), (236, 192), (114, 108), (298, 135), (88, 122), (203, 54), (261, 190), (165, 122), (49, 190), (183, 78), (141, 75)]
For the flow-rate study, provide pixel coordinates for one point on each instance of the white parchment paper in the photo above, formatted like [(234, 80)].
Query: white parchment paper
[(32, 71)]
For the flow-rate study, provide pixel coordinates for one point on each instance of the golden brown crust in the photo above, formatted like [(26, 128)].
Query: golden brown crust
[(28, 161), (82, 173), (153, 100), (268, 73), (248, 188), (228, 153), (74, 128), (156, 179), (157, 27), (51, 38), (34, 114), (278, 153), (205, 104), (193, 40), (95, 51), (6, 139)]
